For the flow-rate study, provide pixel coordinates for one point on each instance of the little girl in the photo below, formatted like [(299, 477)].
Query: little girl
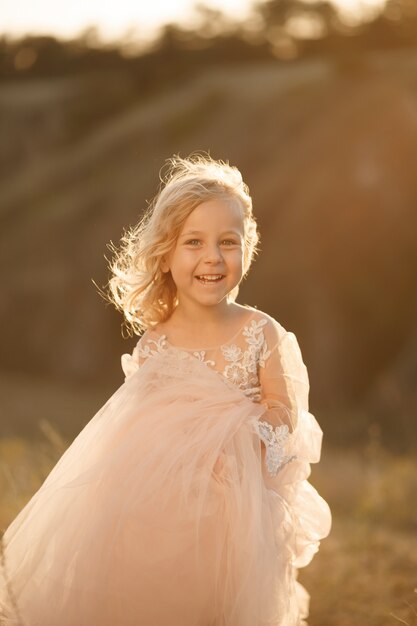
[(185, 500)]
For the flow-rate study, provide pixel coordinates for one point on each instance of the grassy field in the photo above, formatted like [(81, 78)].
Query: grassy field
[(365, 573)]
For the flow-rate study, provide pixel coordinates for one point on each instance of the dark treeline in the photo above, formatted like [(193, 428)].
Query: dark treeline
[(117, 77), (273, 32)]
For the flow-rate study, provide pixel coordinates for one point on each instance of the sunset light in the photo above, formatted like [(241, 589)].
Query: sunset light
[(116, 19)]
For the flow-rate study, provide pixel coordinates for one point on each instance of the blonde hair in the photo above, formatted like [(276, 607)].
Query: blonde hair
[(138, 287)]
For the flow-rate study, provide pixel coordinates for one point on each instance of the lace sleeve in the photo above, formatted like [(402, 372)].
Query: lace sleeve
[(284, 392), (284, 381)]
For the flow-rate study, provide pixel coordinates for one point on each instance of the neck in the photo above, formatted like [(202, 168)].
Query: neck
[(194, 316)]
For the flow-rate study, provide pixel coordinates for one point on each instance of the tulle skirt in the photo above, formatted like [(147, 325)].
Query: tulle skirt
[(162, 512)]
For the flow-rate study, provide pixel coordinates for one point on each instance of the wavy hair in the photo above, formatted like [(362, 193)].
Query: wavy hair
[(138, 288)]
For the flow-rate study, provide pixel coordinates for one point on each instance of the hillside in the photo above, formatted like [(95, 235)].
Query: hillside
[(330, 161)]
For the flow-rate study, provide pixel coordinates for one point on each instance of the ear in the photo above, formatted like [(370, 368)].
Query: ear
[(164, 265)]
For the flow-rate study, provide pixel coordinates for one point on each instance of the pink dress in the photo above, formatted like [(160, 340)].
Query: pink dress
[(167, 510)]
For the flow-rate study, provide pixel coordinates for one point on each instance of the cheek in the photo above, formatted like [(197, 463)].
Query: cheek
[(236, 259), (183, 261)]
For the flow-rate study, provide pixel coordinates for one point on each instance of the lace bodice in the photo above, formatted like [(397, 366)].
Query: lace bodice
[(263, 360), (238, 360)]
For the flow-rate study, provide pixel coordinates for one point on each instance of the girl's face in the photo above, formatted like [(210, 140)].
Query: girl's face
[(207, 260)]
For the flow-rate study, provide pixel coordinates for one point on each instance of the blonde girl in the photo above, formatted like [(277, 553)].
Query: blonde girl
[(185, 499)]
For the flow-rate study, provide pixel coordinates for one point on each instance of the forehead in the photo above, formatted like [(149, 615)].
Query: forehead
[(215, 214)]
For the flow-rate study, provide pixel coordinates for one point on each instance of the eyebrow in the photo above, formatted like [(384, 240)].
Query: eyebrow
[(199, 232)]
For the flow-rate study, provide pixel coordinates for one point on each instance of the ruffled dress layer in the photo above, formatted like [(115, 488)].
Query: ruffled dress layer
[(162, 512)]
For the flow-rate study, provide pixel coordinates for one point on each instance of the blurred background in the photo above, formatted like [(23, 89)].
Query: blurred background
[(316, 103)]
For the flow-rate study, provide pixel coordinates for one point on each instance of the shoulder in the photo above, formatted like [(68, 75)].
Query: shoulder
[(277, 338), (273, 331), (281, 347), (285, 343), (148, 344)]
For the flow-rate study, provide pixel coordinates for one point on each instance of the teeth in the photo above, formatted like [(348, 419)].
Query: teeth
[(211, 277)]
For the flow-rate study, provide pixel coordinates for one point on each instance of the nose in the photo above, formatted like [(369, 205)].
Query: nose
[(213, 255)]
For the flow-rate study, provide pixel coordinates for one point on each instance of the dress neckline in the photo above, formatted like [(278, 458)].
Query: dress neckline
[(241, 326)]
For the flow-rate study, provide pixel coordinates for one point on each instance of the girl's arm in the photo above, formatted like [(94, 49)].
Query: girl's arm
[(284, 392), (284, 380)]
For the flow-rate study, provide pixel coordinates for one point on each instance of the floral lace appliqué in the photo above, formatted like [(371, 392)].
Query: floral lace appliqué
[(242, 370), (152, 347), (275, 441), (130, 362), (201, 356), (242, 364)]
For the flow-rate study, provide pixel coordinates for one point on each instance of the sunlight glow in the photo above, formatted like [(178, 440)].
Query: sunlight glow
[(118, 19)]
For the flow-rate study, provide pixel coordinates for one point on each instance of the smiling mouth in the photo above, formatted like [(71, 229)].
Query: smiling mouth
[(207, 279)]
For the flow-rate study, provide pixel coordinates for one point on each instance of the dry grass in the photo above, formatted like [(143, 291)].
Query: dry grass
[(365, 571)]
